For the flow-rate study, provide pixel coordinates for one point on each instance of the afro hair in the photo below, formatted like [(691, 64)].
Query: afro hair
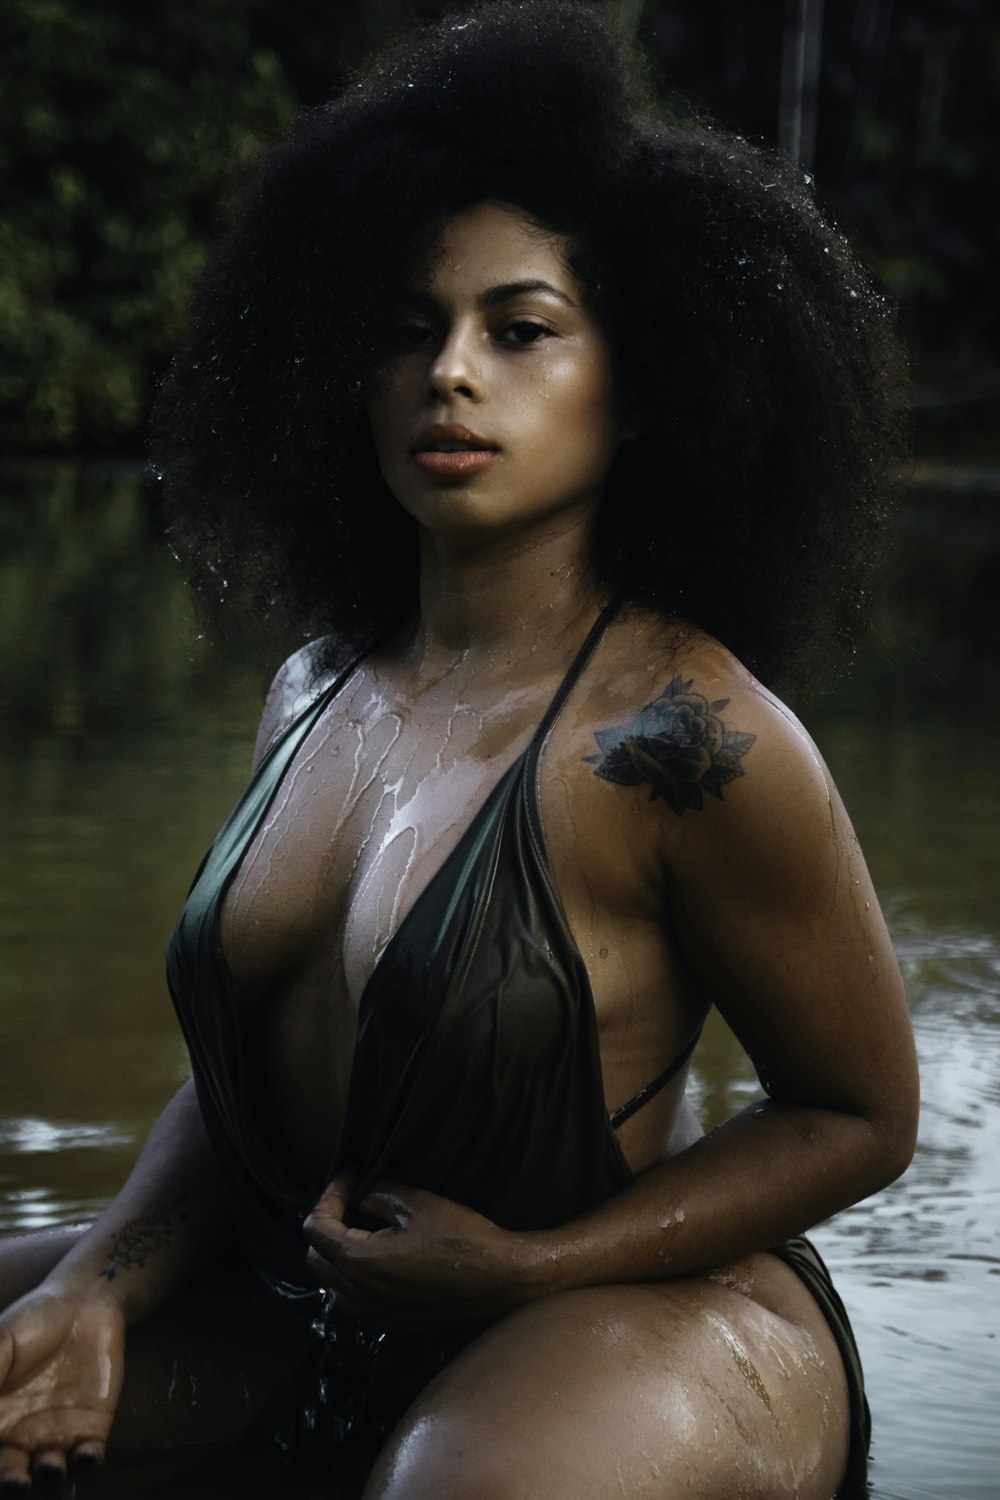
[(756, 354)]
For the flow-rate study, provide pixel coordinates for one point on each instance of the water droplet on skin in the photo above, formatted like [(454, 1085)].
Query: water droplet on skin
[(604, 950), (868, 906), (677, 1217), (871, 958)]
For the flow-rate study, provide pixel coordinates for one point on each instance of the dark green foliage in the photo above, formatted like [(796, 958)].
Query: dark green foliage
[(122, 128), (123, 124), (906, 141)]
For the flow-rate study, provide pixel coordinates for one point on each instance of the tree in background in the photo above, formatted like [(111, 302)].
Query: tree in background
[(905, 141), (120, 130), (123, 129)]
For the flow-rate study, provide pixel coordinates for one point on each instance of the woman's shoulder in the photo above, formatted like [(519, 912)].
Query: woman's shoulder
[(675, 711), (298, 682), (650, 660)]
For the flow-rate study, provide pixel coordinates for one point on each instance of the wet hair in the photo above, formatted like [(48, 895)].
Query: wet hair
[(753, 351)]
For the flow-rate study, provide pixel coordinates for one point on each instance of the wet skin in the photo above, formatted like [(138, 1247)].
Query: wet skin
[(760, 902)]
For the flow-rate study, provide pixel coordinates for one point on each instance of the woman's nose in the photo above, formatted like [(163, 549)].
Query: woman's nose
[(456, 370)]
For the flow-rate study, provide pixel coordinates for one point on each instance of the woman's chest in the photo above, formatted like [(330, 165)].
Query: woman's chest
[(358, 826)]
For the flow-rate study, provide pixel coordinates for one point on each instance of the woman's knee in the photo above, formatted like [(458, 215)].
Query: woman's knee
[(451, 1459)]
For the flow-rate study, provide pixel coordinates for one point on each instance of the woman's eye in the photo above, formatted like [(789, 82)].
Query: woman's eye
[(413, 335), (524, 332)]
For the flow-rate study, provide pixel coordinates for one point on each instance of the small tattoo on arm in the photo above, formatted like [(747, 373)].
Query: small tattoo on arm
[(677, 744), (142, 1237)]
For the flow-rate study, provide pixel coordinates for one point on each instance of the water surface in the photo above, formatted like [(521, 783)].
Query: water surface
[(125, 738)]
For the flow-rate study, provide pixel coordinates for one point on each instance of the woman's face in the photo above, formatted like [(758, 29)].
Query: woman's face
[(494, 408)]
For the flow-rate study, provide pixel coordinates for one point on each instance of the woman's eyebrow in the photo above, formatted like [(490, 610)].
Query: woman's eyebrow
[(491, 297), (510, 289)]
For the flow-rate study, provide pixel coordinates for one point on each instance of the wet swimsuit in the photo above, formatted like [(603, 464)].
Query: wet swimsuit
[(476, 1071)]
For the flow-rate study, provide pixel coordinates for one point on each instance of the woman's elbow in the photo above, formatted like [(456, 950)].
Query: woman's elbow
[(894, 1131)]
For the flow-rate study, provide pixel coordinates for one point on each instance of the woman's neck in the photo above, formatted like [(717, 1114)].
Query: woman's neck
[(504, 600)]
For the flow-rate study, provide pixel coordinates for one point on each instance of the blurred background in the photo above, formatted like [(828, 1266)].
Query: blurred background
[(124, 129), (125, 727)]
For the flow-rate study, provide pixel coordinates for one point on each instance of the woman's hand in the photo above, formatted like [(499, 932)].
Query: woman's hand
[(436, 1262), (62, 1359)]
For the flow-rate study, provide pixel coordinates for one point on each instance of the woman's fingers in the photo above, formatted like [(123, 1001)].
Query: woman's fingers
[(49, 1465), (88, 1455), (391, 1201), (346, 1298), (14, 1474), (336, 1195), (328, 1273), (331, 1237)]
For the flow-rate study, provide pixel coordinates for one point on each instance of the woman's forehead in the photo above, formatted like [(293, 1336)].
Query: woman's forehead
[(492, 244)]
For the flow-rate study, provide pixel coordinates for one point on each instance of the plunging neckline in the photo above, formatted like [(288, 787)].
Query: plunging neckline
[(315, 711), (297, 732)]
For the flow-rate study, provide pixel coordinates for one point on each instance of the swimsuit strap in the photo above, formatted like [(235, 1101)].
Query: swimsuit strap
[(312, 710), (576, 668), (619, 1116), (293, 733), (532, 755)]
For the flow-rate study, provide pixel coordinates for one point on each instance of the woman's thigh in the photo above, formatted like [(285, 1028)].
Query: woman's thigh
[(689, 1388)]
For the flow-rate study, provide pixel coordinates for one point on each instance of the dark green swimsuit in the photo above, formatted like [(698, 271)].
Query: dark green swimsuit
[(476, 1071)]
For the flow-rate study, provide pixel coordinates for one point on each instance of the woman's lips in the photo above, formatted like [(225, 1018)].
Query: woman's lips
[(465, 461)]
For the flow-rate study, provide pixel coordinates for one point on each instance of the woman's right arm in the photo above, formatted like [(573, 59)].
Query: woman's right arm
[(62, 1345), (167, 1224)]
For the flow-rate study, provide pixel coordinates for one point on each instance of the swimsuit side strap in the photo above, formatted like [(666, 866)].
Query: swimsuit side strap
[(626, 1111), (576, 668)]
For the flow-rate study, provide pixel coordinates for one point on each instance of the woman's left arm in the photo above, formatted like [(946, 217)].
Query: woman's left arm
[(768, 895), (772, 903)]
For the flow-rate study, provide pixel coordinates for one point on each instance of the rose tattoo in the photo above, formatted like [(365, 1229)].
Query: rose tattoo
[(678, 744)]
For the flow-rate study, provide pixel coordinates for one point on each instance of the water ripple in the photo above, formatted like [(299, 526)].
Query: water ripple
[(29, 1134)]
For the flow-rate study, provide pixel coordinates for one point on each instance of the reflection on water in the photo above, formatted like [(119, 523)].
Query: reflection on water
[(919, 1265), (124, 740)]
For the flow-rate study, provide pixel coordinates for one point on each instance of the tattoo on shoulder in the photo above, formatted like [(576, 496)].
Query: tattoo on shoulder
[(677, 744), (140, 1238)]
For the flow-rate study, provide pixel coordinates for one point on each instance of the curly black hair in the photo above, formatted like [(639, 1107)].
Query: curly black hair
[(757, 355)]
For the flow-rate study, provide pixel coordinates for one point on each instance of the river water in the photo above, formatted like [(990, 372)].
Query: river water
[(125, 736)]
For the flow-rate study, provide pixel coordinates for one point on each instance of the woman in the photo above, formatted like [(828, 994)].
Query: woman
[(569, 426)]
